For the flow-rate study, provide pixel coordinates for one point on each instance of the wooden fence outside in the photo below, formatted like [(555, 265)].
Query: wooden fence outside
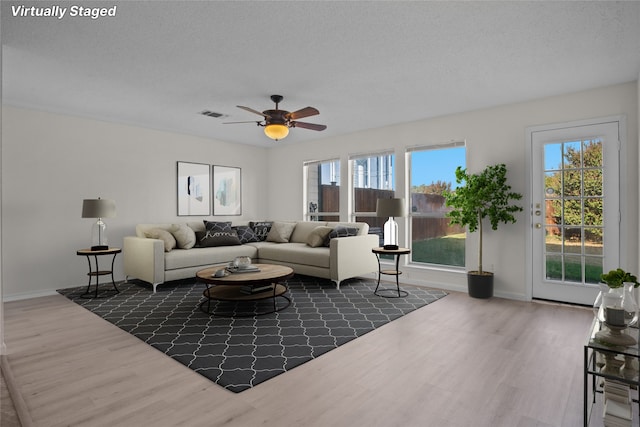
[(366, 199)]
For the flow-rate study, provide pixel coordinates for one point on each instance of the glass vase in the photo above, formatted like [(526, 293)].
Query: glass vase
[(616, 307)]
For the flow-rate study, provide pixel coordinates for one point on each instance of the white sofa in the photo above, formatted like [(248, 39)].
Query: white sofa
[(346, 257)]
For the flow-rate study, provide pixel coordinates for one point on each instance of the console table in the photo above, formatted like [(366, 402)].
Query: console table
[(602, 361), (97, 272)]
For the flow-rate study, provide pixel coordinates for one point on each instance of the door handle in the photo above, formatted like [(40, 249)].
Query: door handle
[(538, 225)]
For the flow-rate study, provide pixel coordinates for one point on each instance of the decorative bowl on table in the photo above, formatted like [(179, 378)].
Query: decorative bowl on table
[(241, 262)]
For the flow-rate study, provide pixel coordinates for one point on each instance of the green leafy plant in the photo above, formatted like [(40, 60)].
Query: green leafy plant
[(615, 278), (485, 194)]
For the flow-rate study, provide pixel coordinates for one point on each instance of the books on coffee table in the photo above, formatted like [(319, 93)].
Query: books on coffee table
[(250, 290)]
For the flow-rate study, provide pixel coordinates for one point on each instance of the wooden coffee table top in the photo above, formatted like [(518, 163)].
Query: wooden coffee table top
[(268, 273)]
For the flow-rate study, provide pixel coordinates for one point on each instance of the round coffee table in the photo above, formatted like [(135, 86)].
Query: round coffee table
[(245, 289)]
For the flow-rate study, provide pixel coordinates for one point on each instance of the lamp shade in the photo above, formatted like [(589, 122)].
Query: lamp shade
[(390, 208), (276, 131), (98, 208)]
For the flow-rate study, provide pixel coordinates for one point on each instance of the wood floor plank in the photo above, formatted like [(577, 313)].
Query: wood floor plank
[(457, 362)]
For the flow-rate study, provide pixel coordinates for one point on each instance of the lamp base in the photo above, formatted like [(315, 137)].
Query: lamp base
[(99, 248), (391, 247), (615, 335)]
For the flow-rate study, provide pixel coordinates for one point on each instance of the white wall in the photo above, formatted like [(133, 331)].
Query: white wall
[(52, 162), (494, 135)]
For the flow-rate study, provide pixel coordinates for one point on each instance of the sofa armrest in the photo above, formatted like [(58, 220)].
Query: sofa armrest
[(144, 259), (352, 256)]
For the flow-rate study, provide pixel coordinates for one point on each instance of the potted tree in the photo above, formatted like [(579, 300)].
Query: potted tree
[(482, 195)]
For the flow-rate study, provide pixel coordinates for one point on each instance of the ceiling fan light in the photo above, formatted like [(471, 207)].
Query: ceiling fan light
[(276, 131)]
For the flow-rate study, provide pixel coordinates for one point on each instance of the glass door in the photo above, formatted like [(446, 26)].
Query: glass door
[(575, 207)]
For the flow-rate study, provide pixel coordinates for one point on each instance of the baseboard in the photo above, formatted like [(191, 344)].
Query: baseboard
[(30, 295), (14, 392)]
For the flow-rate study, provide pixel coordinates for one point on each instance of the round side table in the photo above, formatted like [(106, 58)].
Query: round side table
[(390, 292), (97, 272)]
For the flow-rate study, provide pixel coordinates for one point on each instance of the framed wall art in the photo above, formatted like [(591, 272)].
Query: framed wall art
[(227, 196), (194, 195)]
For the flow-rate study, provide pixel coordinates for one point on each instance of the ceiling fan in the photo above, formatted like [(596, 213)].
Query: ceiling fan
[(277, 122)]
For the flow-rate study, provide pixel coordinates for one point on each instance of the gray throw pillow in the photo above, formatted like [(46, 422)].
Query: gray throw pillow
[(217, 225), (280, 232), (167, 238), (261, 229), (211, 238), (245, 234), (341, 231), (184, 235), (318, 236)]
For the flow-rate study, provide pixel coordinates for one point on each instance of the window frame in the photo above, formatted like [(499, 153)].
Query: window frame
[(411, 215), (318, 215), (353, 214)]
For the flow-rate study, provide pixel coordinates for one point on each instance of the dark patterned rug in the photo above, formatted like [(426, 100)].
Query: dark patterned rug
[(239, 353)]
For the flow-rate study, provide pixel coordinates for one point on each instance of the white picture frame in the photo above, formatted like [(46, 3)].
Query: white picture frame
[(194, 195), (227, 190)]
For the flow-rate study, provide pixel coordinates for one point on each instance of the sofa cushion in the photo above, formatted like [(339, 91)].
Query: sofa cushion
[(164, 235), (203, 257), (280, 232), (211, 238), (295, 253), (340, 231), (261, 229), (184, 235), (245, 234), (318, 236)]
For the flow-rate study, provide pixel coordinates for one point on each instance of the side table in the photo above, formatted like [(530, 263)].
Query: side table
[(396, 252), (97, 272)]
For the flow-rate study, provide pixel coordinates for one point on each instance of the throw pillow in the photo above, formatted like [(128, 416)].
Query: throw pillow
[(245, 234), (164, 235), (318, 236), (261, 229), (211, 238), (280, 232), (340, 231), (217, 225), (184, 235)]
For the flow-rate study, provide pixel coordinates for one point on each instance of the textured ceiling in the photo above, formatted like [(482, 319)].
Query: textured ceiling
[(362, 64)]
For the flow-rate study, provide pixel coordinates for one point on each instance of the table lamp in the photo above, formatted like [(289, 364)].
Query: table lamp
[(390, 208), (98, 208)]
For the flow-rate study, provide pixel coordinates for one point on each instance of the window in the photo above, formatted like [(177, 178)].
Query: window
[(432, 170), (372, 179), (322, 192)]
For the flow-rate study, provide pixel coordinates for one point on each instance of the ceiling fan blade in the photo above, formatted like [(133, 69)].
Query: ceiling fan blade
[(233, 123), (251, 110), (304, 112), (312, 126)]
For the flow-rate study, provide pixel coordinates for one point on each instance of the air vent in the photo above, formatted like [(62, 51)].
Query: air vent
[(213, 114)]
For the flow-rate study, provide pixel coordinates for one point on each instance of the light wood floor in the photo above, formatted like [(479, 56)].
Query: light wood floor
[(457, 362), (8, 414)]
